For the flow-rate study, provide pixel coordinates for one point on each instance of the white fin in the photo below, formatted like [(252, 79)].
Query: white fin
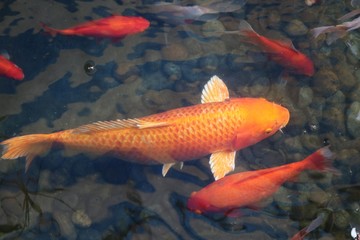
[(166, 168), (222, 163), (245, 26), (215, 90), (121, 123)]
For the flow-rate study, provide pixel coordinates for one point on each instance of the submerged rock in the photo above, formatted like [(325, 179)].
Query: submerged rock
[(296, 28), (80, 218), (334, 120), (341, 219), (305, 96), (67, 228), (174, 52), (326, 82), (212, 28), (172, 71), (353, 119)]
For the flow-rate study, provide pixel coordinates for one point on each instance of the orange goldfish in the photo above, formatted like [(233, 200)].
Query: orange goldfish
[(10, 69), (219, 126), (249, 188), (280, 52), (114, 27)]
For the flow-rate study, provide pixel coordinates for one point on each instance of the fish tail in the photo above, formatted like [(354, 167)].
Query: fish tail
[(246, 30), (249, 35), (320, 30), (28, 146), (48, 29), (321, 160)]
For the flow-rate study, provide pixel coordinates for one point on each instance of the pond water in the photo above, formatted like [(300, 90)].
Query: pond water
[(70, 81)]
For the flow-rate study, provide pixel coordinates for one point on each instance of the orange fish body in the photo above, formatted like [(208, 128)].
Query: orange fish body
[(115, 27), (220, 126), (249, 188), (280, 52), (10, 69)]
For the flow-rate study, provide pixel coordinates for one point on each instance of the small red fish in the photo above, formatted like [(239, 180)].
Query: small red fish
[(114, 27), (228, 194), (280, 52), (10, 69)]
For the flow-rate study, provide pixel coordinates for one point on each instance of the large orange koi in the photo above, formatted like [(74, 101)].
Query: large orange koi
[(219, 126), (114, 27), (249, 188)]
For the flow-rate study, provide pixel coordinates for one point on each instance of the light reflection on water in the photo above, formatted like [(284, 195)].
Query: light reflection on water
[(75, 196)]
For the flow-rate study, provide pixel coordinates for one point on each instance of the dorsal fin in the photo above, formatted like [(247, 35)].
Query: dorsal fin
[(215, 90), (286, 43), (120, 123)]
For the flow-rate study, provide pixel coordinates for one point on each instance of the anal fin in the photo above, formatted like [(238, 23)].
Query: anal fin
[(222, 163)]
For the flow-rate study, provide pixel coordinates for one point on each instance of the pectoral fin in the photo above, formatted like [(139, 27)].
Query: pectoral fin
[(221, 163)]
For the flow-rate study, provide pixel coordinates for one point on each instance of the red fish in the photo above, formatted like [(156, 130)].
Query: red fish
[(10, 69), (280, 52), (250, 188), (219, 126), (114, 27)]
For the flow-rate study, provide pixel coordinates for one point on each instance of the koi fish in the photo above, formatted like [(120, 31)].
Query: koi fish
[(250, 188), (10, 69), (281, 52), (338, 31), (114, 27), (219, 126)]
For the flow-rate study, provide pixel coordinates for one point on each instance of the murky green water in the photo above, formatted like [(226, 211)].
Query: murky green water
[(76, 196)]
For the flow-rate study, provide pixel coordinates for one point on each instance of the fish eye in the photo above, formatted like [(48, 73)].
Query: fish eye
[(268, 130)]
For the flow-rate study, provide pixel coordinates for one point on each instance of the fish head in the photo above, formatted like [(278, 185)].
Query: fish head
[(301, 64), (17, 73), (259, 119), (306, 67), (142, 24)]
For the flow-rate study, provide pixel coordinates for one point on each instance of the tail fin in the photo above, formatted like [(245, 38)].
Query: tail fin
[(51, 31), (28, 146), (321, 159), (320, 30), (246, 30)]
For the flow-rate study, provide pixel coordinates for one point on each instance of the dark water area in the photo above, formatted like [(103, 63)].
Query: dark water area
[(72, 80)]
